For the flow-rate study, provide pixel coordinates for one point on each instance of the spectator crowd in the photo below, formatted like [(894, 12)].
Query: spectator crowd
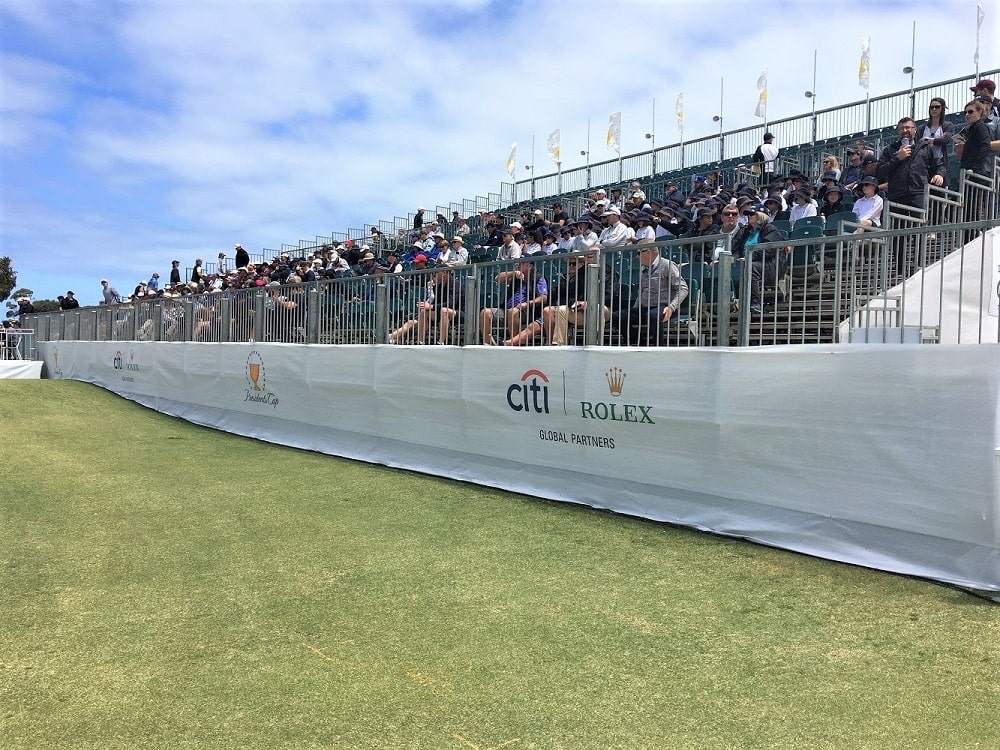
[(617, 218)]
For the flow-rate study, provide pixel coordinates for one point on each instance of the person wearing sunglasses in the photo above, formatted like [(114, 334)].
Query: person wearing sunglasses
[(937, 131), (975, 151)]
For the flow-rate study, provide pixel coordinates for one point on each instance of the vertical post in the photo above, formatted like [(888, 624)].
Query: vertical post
[(471, 328), (815, 52), (312, 314), (593, 329), (157, 320), (258, 315), (722, 99), (724, 293), (226, 316), (382, 313), (913, 60), (188, 331), (652, 135)]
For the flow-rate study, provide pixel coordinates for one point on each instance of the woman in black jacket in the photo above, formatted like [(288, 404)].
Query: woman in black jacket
[(766, 265), (937, 131), (975, 151)]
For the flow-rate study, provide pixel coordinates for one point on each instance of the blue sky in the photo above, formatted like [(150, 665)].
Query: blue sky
[(133, 133)]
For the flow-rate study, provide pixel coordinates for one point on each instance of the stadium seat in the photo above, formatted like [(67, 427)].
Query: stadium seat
[(809, 221), (784, 226), (834, 222)]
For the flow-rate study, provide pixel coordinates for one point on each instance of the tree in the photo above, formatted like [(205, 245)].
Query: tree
[(8, 278), (45, 305)]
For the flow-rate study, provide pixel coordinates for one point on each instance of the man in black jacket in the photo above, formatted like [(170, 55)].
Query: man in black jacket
[(908, 165), (568, 296), (69, 302)]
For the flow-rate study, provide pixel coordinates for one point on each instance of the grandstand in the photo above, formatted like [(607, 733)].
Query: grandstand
[(766, 422)]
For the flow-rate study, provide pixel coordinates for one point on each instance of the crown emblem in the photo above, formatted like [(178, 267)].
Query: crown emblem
[(616, 380)]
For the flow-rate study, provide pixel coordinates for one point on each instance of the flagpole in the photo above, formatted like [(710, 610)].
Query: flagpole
[(722, 101), (815, 53), (652, 135), (913, 60), (587, 152)]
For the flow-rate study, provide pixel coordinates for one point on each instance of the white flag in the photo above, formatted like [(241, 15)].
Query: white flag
[(554, 146), (980, 15), (512, 159), (615, 133), (863, 66), (680, 114), (761, 110)]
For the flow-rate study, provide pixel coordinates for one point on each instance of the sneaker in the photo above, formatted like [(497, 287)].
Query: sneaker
[(756, 307), (392, 340)]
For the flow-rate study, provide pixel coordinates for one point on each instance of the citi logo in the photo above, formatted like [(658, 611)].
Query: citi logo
[(531, 394), (121, 364)]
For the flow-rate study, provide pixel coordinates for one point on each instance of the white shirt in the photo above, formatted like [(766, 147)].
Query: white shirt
[(645, 233), (801, 211), (513, 250), (770, 153), (454, 256), (583, 243), (615, 235), (869, 208)]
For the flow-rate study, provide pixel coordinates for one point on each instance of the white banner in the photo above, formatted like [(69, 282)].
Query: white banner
[(614, 138), (798, 447), (20, 369), (552, 147)]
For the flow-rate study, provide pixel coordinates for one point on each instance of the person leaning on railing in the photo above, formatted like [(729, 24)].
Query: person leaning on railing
[(767, 266), (973, 146)]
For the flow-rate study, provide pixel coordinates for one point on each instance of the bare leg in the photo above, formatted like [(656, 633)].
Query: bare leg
[(486, 327)]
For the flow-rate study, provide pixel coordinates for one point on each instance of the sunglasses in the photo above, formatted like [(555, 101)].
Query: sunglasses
[(971, 112), (729, 213), (935, 106)]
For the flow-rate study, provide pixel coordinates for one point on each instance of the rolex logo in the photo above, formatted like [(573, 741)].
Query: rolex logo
[(616, 381)]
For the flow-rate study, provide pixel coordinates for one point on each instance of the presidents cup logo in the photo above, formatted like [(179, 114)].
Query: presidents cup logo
[(255, 372), (531, 394), (257, 392)]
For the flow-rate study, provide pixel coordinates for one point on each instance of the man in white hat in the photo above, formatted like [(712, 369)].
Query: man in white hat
[(615, 234)]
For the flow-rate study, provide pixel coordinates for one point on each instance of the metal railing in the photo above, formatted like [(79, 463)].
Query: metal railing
[(17, 343), (823, 284)]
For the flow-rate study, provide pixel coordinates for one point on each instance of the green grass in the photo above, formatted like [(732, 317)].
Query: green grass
[(168, 586)]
